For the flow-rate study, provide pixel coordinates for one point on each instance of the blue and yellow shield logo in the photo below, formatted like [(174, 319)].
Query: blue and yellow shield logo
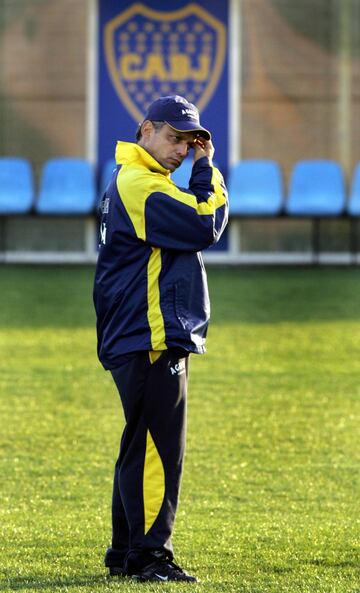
[(151, 54)]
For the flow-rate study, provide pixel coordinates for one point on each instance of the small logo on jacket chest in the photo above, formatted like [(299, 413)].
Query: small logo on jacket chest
[(103, 233)]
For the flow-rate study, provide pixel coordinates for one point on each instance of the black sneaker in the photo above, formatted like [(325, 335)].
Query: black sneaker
[(116, 571), (114, 561), (162, 569)]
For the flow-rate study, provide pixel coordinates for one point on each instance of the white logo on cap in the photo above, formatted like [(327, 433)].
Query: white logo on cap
[(190, 112)]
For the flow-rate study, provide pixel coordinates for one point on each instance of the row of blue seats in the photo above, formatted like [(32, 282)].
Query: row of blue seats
[(256, 188), (67, 186), (316, 188)]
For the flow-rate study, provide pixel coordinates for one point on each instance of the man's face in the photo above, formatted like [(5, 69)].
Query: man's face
[(166, 145)]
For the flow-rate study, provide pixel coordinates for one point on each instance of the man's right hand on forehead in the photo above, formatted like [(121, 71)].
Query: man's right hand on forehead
[(203, 148)]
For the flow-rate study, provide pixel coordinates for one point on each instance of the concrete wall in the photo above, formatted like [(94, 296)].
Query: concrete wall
[(300, 79), (43, 78)]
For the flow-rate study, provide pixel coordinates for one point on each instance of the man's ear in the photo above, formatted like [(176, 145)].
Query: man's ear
[(146, 129)]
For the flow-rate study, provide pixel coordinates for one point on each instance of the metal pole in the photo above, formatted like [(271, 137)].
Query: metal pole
[(344, 82), (91, 82), (234, 125)]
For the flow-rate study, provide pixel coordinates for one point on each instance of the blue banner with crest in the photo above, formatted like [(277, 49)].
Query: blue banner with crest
[(156, 48)]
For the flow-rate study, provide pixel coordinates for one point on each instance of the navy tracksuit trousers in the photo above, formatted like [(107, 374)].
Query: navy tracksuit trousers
[(152, 388)]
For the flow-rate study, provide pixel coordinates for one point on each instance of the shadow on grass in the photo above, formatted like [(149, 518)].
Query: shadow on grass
[(46, 296), (275, 295), (40, 583), (334, 564), (61, 296)]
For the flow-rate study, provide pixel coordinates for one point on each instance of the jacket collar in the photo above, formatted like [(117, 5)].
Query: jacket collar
[(129, 153)]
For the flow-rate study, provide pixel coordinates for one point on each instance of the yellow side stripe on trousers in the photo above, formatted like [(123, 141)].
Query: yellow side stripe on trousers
[(154, 355), (154, 483), (155, 317)]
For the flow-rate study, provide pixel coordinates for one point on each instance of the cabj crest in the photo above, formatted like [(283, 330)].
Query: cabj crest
[(151, 54)]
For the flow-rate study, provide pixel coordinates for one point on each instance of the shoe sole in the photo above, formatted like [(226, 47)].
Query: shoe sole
[(140, 579), (115, 571)]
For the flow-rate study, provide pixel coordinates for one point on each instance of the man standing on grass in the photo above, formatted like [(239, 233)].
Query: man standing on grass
[(152, 306)]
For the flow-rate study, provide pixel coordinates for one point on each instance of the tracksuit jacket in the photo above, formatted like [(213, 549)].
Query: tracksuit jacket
[(150, 290)]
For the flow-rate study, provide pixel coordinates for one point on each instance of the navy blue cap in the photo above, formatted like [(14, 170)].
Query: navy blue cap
[(178, 113)]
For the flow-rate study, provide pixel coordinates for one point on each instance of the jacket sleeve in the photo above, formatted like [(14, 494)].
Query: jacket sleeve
[(177, 218)]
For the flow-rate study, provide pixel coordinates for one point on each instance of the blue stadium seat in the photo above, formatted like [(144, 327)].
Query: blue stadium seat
[(353, 206), (317, 188), (255, 188), (67, 187), (16, 186), (105, 176), (181, 176)]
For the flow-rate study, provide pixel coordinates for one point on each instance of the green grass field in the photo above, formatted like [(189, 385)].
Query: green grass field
[(270, 495)]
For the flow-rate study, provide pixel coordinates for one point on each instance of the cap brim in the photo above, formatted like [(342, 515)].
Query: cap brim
[(188, 126)]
